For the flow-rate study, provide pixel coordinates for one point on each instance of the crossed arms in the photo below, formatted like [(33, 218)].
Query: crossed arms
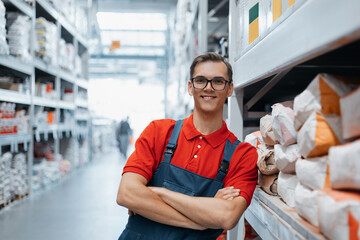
[(176, 209)]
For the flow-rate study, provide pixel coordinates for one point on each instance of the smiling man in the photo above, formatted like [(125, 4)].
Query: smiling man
[(192, 178)]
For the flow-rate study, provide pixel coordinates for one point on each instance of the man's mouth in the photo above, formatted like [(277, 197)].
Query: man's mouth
[(208, 97)]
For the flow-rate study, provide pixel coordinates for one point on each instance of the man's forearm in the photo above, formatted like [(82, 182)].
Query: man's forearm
[(135, 196), (209, 212)]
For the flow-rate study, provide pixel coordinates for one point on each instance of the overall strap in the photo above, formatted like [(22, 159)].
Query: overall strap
[(171, 146), (228, 152)]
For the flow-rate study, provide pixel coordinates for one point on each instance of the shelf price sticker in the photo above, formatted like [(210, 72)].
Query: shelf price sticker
[(253, 23), (276, 9)]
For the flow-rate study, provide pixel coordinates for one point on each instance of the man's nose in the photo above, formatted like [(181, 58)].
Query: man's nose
[(208, 87)]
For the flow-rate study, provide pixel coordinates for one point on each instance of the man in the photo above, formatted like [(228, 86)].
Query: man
[(123, 136), (190, 181)]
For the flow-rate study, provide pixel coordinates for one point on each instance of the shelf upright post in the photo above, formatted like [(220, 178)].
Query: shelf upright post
[(58, 89), (202, 26)]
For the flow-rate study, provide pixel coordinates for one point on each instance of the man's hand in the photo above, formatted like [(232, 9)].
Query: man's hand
[(227, 193)]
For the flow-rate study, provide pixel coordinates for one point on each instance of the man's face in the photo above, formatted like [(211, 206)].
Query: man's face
[(208, 100)]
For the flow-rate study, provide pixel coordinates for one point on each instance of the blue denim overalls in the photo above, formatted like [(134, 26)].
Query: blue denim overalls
[(183, 181)]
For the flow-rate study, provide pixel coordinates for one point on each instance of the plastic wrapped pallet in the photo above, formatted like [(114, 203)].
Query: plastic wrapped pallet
[(266, 130), (286, 157), (350, 114), (306, 203), (339, 214), (319, 134), (46, 34), (18, 35), (4, 48), (5, 164), (19, 184), (323, 95), (254, 139), (283, 123), (266, 162), (269, 183), (344, 164), (286, 188), (313, 172)]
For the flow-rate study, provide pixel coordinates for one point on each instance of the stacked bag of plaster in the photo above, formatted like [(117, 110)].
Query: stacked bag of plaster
[(5, 162), (18, 35), (268, 171), (46, 35), (350, 114), (286, 152), (254, 139), (339, 214), (317, 115), (4, 48), (19, 184)]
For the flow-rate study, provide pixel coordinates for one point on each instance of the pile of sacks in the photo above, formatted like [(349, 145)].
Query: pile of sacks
[(317, 151)]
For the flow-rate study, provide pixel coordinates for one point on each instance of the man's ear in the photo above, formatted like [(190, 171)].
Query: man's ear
[(230, 89), (190, 88)]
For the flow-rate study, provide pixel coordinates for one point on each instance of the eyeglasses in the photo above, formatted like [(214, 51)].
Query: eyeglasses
[(218, 83)]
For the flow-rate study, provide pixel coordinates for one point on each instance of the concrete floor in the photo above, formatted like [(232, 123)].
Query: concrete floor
[(80, 207)]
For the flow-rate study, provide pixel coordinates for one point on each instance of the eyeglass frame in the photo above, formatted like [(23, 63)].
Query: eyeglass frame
[(207, 82)]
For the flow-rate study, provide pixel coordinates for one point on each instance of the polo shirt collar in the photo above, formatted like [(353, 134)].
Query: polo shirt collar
[(214, 139)]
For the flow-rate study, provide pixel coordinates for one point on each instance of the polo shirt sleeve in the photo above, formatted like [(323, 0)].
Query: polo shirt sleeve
[(149, 148), (243, 173)]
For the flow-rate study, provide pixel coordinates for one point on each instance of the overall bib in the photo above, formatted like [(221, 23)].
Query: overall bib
[(183, 181)]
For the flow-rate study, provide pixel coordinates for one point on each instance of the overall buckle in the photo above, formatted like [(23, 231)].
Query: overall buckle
[(224, 166)]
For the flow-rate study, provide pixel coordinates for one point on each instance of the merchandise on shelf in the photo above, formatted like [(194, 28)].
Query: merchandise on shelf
[(350, 114), (5, 184), (4, 48), (68, 117), (15, 84), (345, 166), (266, 162), (283, 123), (306, 203), (266, 130), (19, 185), (339, 214), (68, 94), (46, 35), (269, 183), (286, 157), (323, 95), (18, 35), (67, 55), (66, 7), (12, 121), (313, 172), (42, 117), (78, 66), (81, 22), (318, 134), (286, 188), (45, 90)]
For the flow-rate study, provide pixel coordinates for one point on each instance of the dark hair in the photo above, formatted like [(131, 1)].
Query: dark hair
[(211, 57)]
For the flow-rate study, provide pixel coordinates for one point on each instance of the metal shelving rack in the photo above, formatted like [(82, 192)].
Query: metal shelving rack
[(58, 130), (312, 36)]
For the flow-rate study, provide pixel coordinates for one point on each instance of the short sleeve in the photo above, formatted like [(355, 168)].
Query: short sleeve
[(243, 173)]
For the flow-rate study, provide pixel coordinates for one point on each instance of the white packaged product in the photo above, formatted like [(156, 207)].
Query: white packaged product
[(266, 130), (323, 95), (285, 157), (306, 203), (266, 162), (344, 164), (269, 183), (283, 123), (286, 188), (339, 214), (254, 139), (4, 48), (312, 172), (319, 134), (350, 114)]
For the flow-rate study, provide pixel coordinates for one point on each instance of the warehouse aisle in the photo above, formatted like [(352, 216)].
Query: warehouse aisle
[(82, 207)]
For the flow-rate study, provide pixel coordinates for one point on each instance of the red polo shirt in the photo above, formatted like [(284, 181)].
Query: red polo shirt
[(195, 152)]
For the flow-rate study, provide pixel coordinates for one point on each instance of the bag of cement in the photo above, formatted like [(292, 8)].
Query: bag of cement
[(254, 139), (285, 157), (286, 188), (268, 183), (339, 214), (266, 130), (319, 134), (283, 123), (322, 95), (266, 162), (344, 162), (313, 172), (350, 114), (306, 203)]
